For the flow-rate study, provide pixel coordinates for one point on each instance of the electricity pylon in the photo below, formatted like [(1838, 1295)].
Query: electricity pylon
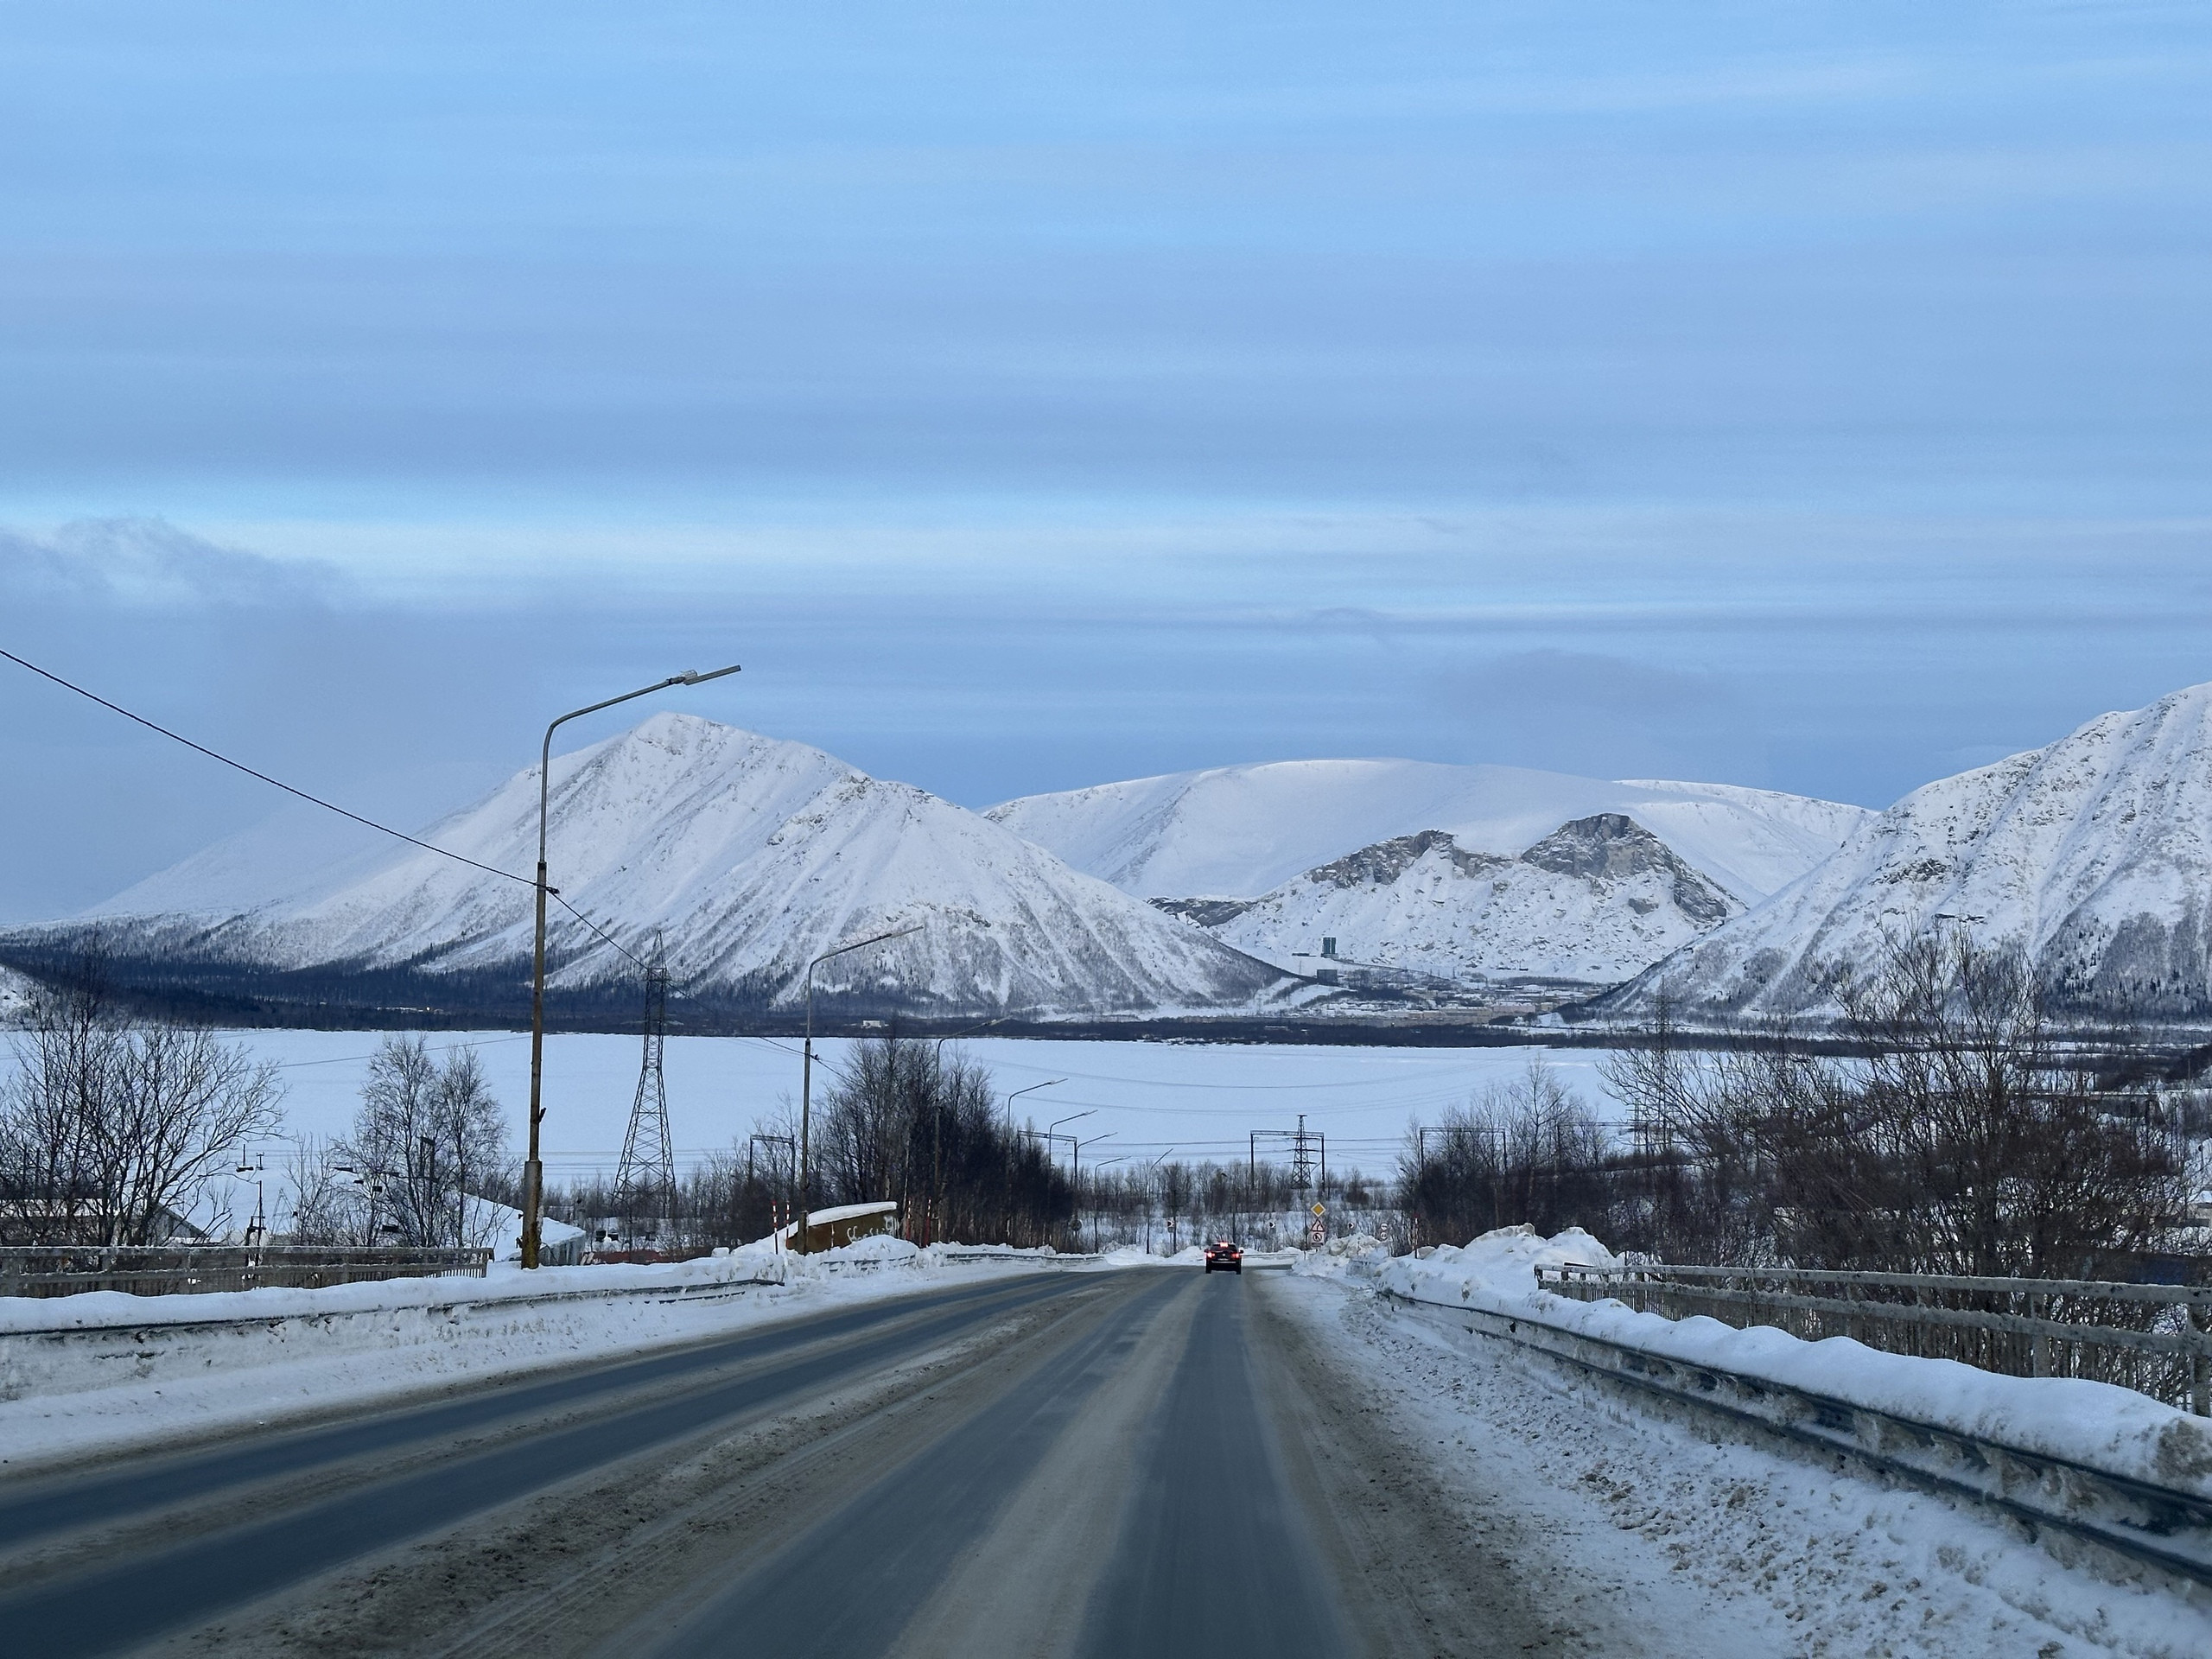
[(644, 1187)]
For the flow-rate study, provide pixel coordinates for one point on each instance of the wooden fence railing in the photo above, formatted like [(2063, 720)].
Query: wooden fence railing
[(2156, 1339), (167, 1269)]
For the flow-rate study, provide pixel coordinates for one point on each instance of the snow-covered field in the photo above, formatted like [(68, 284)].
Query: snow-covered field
[(1201, 1100), (1665, 1540), (174, 1373)]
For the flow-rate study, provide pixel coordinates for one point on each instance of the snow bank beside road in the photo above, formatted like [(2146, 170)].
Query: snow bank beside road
[(2107, 1428), (1652, 1531), (1356, 1256), (105, 1370)]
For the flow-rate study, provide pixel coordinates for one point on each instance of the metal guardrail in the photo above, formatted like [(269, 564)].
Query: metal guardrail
[(2141, 1521), (706, 1290), (696, 1290), (2156, 1339), (173, 1269), (1000, 1253)]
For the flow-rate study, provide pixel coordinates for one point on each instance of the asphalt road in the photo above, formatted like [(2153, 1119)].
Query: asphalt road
[(1081, 1464)]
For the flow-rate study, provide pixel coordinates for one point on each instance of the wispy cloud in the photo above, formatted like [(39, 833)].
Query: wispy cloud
[(149, 564)]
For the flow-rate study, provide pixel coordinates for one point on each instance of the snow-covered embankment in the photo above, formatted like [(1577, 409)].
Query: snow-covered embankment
[(2096, 1425), (104, 1370)]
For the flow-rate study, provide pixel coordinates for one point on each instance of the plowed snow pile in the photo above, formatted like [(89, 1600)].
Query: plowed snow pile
[(1761, 1553), (2099, 1424)]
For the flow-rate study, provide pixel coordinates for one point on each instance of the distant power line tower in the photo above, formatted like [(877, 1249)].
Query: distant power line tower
[(644, 1187), (1302, 1142)]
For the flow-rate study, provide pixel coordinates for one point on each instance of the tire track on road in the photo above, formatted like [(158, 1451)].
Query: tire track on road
[(135, 1598)]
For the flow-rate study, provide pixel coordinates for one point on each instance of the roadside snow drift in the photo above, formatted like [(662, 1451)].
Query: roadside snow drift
[(2107, 1428), (104, 1370)]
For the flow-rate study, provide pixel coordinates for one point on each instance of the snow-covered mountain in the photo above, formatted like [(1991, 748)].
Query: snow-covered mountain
[(2092, 855), (751, 855), (1238, 832), (1595, 901)]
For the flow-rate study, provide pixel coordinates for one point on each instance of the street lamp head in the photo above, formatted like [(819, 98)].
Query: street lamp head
[(693, 677), (873, 938)]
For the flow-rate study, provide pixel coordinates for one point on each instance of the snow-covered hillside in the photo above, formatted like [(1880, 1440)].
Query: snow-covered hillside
[(1236, 832), (1597, 900), (751, 855), (2095, 855)]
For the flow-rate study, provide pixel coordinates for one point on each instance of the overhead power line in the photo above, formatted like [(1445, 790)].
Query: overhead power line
[(274, 783), (314, 800)]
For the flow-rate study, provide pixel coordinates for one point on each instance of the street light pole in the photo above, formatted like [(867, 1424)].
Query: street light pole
[(533, 1170), (806, 1069), (1077, 1160), (937, 1126), (1010, 1099), (1073, 1118), (1079, 1146), (1097, 1194), (1150, 1171)]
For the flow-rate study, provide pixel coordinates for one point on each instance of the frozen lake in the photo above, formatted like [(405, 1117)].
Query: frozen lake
[(1199, 1101)]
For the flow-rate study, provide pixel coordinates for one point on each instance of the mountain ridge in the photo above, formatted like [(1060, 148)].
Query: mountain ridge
[(1238, 832), (2088, 855), (1594, 902), (748, 855)]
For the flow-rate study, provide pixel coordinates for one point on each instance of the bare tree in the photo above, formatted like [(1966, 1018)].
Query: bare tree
[(1529, 1151), (429, 1136), (330, 1196), (1953, 1137), (896, 1123), (110, 1129)]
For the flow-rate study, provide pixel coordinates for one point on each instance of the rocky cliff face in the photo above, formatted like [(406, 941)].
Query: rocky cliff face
[(1594, 901), (2092, 856), (1236, 832)]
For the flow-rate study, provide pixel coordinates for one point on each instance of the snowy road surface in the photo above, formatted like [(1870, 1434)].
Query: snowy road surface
[(1141, 1462)]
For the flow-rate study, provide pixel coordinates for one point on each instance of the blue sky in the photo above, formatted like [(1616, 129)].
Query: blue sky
[(1798, 395)]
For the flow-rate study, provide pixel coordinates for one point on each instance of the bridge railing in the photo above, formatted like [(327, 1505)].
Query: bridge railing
[(176, 1269), (2156, 1339)]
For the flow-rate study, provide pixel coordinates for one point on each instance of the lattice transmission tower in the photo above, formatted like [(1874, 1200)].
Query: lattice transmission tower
[(1303, 1144), (644, 1186)]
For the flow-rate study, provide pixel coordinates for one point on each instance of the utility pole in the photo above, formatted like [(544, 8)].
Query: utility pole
[(426, 1207), (257, 1230), (789, 1171), (533, 1169)]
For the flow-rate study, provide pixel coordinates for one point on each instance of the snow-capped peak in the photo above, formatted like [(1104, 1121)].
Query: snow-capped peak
[(750, 856), (2092, 855)]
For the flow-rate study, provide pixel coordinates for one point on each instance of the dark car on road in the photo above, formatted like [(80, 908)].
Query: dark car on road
[(1225, 1255)]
